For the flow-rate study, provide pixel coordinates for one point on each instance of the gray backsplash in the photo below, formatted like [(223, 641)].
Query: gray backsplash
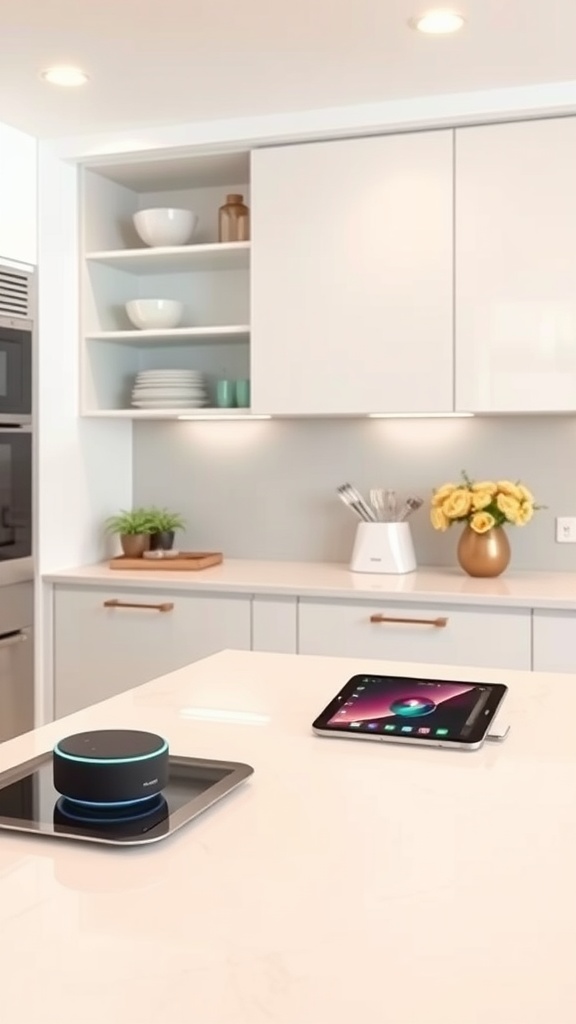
[(266, 489)]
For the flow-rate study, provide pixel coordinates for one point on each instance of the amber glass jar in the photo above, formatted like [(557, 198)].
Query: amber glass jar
[(234, 220)]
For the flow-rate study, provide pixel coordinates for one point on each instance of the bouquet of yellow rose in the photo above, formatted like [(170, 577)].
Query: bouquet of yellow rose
[(483, 504)]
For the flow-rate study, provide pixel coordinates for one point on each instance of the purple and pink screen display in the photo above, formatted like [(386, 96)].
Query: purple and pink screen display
[(393, 705)]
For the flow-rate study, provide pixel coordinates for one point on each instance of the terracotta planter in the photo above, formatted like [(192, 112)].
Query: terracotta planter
[(484, 554), (135, 544)]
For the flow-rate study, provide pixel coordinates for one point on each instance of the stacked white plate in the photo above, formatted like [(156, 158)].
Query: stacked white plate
[(169, 389)]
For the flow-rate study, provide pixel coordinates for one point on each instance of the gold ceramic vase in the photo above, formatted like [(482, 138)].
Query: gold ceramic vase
[(483, 554)]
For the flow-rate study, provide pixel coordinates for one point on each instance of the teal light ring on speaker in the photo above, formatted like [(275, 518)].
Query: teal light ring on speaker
[(108, 760)]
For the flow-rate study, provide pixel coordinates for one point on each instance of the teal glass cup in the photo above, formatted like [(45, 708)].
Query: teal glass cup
[(242, 393), (225, 394)]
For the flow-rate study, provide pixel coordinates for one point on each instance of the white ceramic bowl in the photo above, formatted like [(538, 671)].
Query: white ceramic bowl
[(151, 314), (165, 226)]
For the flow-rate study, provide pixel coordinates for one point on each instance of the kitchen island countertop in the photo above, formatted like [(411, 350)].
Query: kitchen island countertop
[(345, 881), (554, 590)]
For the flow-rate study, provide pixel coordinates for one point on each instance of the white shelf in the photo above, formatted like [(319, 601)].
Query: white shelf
[(176, 258), (172, 414), (176, 335)]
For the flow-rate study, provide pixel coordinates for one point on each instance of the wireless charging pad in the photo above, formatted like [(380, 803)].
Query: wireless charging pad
[(110, 767), (29, 803)]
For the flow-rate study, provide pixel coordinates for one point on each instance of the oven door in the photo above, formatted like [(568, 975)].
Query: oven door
[(15, 370), (15, 493)]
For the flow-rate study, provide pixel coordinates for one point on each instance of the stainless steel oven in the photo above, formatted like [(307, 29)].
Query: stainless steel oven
[(15, 492), (15, 370)]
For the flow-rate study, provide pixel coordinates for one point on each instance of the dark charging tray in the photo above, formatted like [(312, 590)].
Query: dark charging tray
[(29, 803)]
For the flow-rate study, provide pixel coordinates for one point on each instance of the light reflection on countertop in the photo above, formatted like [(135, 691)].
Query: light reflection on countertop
[(334, 580)]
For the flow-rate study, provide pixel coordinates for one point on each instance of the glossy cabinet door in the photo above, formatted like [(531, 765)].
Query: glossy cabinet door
[(516, 267), (554, 641), (275, 623), (101, 650), (352, 276), (18, 196)]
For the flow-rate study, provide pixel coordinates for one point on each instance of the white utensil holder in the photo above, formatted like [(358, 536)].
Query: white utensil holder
[(383, 547)]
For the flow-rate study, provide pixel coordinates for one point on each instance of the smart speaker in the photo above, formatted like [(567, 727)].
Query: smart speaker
[(111, 766)]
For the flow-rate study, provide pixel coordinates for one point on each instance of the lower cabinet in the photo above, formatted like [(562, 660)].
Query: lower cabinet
[(107, 640), (431, 634), (275, 624), (110, 640), (554, 641)]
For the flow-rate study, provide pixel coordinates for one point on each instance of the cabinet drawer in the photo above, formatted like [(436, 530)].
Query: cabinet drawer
[(554, 641), (102, 649), (409, 632)]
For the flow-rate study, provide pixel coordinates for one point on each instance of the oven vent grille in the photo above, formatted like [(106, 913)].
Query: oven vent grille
[(14, 293)]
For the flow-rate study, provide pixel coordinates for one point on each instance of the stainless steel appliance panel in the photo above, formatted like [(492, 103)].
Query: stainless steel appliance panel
[(15, 493), (16, 683), (15, 370)]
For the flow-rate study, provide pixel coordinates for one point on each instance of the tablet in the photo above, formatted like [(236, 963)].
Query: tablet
[(402, 709)]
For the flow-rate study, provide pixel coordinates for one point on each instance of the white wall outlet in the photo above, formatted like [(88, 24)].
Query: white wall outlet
[(566, 529)]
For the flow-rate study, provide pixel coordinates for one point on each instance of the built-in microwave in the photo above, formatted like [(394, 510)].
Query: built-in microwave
[(15, 370), (16, 332), (15, 493)]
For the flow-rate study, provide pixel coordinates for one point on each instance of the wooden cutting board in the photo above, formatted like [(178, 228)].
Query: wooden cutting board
[(187, 561)]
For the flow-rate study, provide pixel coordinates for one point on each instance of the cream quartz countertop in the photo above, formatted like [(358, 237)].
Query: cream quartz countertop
[(345, 881), (332, 580)]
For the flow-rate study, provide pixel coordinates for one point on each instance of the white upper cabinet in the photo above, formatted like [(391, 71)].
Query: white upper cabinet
[(18, 196), (352, 276), (516, 267)]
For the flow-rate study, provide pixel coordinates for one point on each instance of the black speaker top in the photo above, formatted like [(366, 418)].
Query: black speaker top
[(106, 745)]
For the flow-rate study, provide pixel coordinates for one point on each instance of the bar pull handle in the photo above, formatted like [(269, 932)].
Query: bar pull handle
[(439, 623), (8, 640), (164, 606)]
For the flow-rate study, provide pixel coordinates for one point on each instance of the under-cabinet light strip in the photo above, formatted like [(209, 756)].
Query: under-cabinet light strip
[(222, 419), (371, 416), (419, 415)]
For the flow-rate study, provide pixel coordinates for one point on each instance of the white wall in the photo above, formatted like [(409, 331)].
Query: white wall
[(83, 467), (266, 489), (18, 195)]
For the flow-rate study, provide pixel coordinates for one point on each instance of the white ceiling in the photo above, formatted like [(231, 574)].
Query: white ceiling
[(157, 63)]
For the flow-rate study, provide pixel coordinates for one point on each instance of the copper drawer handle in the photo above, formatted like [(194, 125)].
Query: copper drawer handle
[(438, 623), (113, 602)]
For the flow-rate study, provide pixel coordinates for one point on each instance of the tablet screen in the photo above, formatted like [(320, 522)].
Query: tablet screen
[(412, 708)]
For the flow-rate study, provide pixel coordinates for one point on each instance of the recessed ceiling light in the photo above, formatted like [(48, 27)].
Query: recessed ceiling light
[(439, 22), (66, 76)]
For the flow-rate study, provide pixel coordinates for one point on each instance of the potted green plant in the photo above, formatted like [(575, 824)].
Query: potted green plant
[(163, 526), (134, 528)]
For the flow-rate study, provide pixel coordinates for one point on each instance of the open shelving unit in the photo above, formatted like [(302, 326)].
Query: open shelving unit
[(186, 335), (176, 258), (210, 278)]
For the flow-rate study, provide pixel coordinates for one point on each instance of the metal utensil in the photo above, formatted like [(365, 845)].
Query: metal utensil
[(377, 502), (361, 502), (355, 500), (390, 506), (345, 497), (411, 505)]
